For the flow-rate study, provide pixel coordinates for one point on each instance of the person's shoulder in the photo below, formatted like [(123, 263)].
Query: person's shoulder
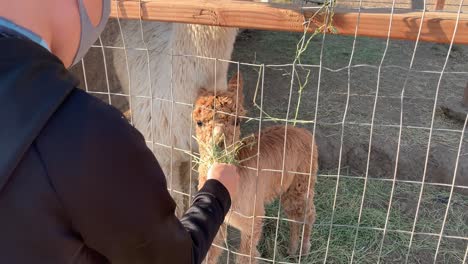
[(86, 123), (85, 111)]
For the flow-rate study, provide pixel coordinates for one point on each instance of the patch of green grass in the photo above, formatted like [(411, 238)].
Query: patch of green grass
[(336, 54), (374, 213)]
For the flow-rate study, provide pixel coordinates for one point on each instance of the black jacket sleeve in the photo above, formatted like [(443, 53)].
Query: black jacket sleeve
[(115, 193)]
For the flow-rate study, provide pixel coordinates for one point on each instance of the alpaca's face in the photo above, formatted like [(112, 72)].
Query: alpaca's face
[(216, 118)]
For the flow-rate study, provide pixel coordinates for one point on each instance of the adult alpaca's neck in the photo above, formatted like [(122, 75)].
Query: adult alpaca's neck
[(194, 40), (205, 42)]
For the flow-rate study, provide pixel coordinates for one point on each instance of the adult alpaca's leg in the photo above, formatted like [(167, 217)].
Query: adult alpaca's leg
[(183, 179), (178, 183)]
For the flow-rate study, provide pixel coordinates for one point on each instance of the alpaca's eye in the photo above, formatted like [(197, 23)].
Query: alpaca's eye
[(199, 123)]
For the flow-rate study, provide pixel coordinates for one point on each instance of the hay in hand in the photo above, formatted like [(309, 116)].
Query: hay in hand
[(216, 153)]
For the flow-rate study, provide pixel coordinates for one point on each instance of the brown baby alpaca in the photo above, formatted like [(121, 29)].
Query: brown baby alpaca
[(301, 156)]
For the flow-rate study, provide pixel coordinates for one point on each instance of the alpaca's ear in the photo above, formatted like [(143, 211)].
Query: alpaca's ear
[(236, 83)]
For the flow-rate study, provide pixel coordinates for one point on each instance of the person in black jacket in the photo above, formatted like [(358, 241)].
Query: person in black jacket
[(77, 182)]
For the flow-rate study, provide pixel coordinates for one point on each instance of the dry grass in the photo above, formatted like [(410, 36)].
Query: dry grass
[(217, 154), (395, 246)]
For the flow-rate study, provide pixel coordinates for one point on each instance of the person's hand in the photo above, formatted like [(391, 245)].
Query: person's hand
[(227, 175)]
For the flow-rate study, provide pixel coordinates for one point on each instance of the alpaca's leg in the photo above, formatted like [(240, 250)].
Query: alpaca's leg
[(180, 182), (183, 184), (249, 241), (180, 187), (180, 140), (294, 204), (296, 230), (171, 165), (190, 177), (294, 234), (215, 252), (309, 223)]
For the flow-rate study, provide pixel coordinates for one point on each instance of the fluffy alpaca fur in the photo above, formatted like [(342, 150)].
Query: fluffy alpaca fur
[(267, 186), (174, 82)]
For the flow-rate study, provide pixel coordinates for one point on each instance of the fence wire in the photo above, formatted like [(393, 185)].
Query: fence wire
[(411, 245)]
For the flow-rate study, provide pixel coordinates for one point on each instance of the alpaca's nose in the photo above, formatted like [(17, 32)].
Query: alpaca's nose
[(218, 132)]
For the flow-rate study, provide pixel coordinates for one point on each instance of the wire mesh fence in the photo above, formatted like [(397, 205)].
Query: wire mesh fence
[(392, 185)]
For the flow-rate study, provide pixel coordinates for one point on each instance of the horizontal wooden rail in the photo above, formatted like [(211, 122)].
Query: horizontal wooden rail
[(437, 26)]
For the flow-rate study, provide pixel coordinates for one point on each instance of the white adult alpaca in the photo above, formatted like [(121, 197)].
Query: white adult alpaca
[(175, 82)]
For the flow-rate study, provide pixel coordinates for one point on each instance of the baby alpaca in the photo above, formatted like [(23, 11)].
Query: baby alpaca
[(299, 177)]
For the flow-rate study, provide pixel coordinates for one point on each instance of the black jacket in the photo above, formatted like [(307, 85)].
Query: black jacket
[(83, 187)]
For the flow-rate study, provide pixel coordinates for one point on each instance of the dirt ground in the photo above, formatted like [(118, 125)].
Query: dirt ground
[(370, 86)]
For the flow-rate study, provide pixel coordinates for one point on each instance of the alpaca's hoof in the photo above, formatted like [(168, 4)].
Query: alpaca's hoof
[(293, 248), (292, 252)]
